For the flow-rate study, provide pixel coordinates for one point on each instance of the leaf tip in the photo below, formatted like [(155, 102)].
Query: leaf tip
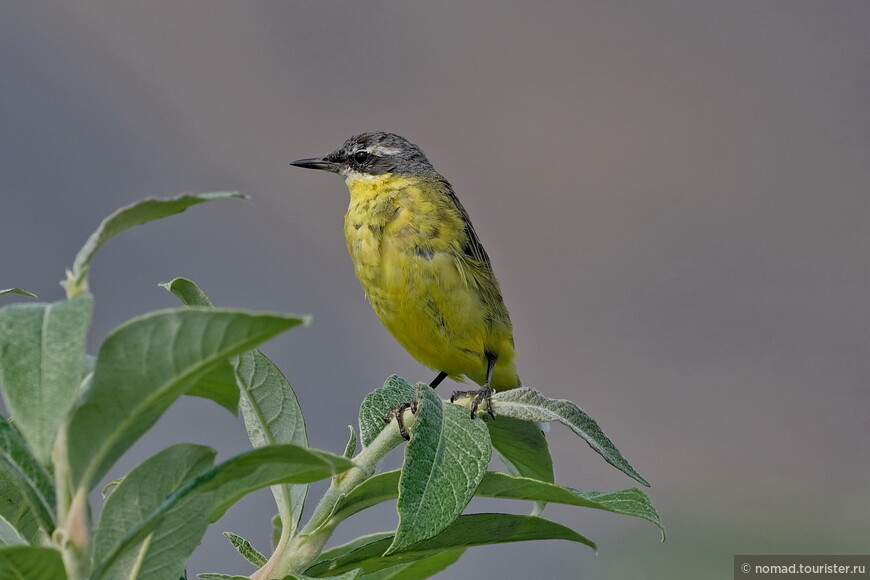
[(632, 473), (221, 194), (18, 291)]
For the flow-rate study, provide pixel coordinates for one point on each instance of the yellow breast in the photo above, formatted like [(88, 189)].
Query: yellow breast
[(405, 240)]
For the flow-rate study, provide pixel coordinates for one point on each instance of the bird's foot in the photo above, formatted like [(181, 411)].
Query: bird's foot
[(483, 395), (398, 412)]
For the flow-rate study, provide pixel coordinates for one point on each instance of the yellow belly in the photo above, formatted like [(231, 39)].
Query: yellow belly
[(428, 303)]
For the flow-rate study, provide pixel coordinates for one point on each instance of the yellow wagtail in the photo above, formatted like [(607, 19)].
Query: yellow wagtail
[(421, 263)]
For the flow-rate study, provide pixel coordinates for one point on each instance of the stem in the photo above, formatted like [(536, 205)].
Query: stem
[(61, 474), (301, 550), (268, 569), (72, 535)]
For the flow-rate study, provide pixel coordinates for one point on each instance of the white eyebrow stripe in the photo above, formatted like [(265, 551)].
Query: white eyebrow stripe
[(382, 150)]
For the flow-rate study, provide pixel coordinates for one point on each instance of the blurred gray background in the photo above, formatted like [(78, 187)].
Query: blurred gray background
[(674, 196)]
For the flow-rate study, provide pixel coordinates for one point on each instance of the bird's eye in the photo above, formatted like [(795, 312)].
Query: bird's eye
[(361, 156)]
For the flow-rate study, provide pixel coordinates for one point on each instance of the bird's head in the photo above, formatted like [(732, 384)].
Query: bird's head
[(372, 154)]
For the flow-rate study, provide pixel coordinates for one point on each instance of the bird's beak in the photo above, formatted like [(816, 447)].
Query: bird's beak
[(317, 163)]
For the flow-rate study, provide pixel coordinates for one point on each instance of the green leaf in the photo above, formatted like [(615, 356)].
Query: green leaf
[(228, 482), (632, 502), (42, 360), (466, 531), (372, 491), (351, 575), (166, 550), (266, 466), (277, 529), (523, 449), (9, 536), (327, 559), (245, 548), (350, 448), (218, 385), (125, 218), (530, 405), (213, 576), (17, 291), (395, 391), (418, 570), (444, 462), (188, 292), (143, 367), (15, 510), (29, 479), (384, 487), (269, 406), (31, 563), (273, 416)]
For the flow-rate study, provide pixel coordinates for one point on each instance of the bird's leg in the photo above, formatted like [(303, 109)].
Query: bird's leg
[(481, 395), (397, 412), (437, 380)]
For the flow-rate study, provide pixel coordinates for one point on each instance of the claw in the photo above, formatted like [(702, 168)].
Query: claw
[(397, 412), (483, 395)]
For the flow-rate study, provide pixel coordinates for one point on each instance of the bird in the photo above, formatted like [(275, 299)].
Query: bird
[(422, 265)]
